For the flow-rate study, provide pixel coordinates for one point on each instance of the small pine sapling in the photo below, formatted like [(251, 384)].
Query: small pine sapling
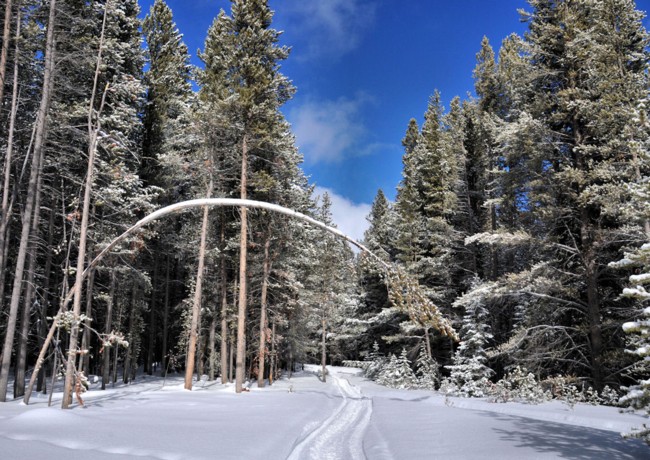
[(428, 370)]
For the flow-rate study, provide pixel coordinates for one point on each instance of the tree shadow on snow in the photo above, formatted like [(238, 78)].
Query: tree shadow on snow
[(568, 441)]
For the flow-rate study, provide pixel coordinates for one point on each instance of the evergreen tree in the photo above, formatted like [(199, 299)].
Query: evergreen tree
[(427, 370), (638, 395), (469, 372)]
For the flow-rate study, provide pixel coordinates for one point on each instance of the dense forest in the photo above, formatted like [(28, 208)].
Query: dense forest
[(522, 215)]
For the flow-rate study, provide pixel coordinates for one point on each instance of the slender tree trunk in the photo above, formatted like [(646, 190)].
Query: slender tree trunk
[(126, 375), (212, 347), (263, 322), (274, 357), (93, 132), (224, 304), (6, 209), (324, 349), (231, 367), (165, 318), (243, 250), (23, 338), (152, 321), (196, 306), (108, 324), (55, 369), (84, 358), (41, 384), (41, 121), (5, 46)]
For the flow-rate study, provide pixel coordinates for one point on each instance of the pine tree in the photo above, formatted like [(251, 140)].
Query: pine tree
[(589, 63), (469, 372), (397, 373), (427, 370)]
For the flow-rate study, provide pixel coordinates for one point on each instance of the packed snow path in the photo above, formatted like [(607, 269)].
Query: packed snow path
[(341, 435), (346, 418)]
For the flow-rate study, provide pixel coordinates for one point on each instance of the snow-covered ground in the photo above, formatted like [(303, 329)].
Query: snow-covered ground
[(302, 418)]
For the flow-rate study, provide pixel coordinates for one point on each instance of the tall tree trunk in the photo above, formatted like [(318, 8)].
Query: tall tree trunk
[(39, 144), (6, 208), (263, 322), (165, 318), (5, 47), (152, 321), (23, 338), (108, 324), (94, 125), (243, 250), (274, 357), (323, 348), (224, 304), (212, 339), (43, 314), (84, 357), (126, 375), (196, 305)]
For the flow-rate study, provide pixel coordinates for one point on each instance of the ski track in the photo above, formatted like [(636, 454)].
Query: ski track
[(341, 435)]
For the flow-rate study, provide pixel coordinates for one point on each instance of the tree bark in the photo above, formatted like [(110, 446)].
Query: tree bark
[(23, 338), (5, 47), (84, 358), (243, 249), (152, 321), (263, 322), (323, 349), (126, 374), (196, 306), (165, 319), (41, 384), (108, 324), (93, 132), (224, 304), (274, 357), (41, 122), (6, 208)]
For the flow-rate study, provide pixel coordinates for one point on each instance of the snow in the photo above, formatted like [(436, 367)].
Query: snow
[(348, 417)]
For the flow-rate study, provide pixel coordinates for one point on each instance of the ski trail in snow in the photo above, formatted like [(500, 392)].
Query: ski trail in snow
[(341, 435)]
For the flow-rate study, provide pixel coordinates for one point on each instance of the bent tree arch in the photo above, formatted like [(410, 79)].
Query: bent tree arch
[(401, 297)]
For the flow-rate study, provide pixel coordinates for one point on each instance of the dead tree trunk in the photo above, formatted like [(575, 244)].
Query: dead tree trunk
[(84, 357), (39, 144), (93, 125)]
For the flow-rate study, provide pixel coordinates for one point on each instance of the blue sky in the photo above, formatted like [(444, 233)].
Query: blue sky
[(363, 68)]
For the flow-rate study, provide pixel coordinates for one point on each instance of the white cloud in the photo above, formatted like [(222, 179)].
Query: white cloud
[(349, 217), (326, 131), (331, 27)]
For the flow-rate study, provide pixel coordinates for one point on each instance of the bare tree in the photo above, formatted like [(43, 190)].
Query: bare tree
[(93, 125)]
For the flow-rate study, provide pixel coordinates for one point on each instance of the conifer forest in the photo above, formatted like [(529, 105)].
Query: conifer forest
[(517, 248)]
